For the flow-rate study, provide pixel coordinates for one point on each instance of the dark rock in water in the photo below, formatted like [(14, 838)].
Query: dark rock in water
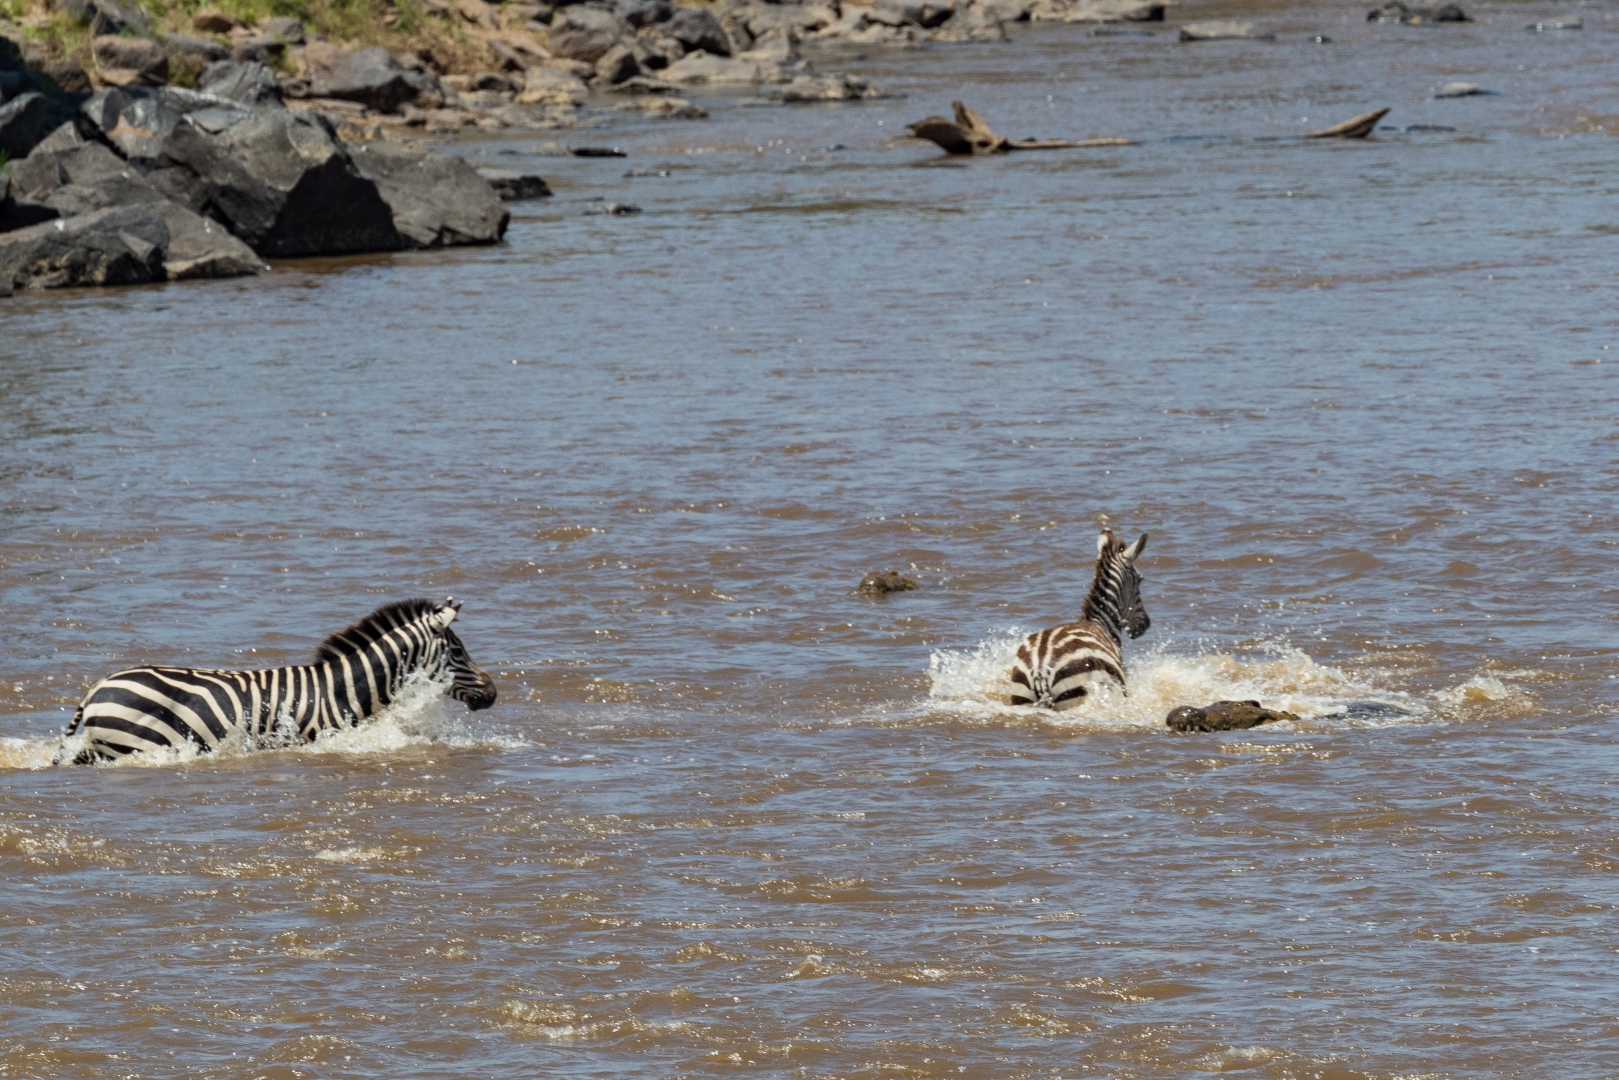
[(437, 201), (597, 151), (1397, 12), (513, 186), (118, 246), (883, 582), (1224, 716), (24, 121), (206, 49), (1428, 127), (371, 77), (1114, 31), (277, 178), (614, 209), (251, 83), (697, 28)]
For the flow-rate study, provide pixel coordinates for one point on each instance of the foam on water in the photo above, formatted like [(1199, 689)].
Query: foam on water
[(972, 683), (420, 715)]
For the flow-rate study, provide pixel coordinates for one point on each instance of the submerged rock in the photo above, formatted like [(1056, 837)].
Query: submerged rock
[(1460, 89), (513, 186), (1224, 716), (883, 582), (1575, 23), (613, 209)]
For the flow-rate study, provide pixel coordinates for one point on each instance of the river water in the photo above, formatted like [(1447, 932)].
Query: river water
[(730, 817)]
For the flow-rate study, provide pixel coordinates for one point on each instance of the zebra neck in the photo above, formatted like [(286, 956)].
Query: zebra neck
[(1102, 608)]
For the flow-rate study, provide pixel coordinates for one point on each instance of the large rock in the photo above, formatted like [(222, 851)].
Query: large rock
[(81, 177), (123, 60), (639, 13), (1097, 11), (513, 186), (119, 246), (586, 34), (24, 121), (199, 247), (371, 77), (697, 28), (437, 201), (1224, 716), (699, 68), (287, 28), (616, 65), (279, 179), (844, 87), (249, 82), (551, 86), (205, 49)]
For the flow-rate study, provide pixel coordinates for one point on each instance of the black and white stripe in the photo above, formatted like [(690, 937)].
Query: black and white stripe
[(1059, 667), (355, 675)]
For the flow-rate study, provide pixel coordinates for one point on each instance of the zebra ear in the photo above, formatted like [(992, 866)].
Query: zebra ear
[(1135, 549), (1102, 541)]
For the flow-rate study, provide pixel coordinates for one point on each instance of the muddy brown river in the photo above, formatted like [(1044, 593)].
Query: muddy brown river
[(730, 818)]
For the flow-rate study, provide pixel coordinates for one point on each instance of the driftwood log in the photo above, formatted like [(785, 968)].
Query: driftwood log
[(968, 134), (1357, 128)]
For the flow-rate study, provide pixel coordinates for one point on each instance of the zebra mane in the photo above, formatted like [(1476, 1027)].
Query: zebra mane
[(373, 626)]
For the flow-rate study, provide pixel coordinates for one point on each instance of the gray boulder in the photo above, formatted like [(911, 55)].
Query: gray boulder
[(586, 34), (616, 65), (844, 87), (699, 68), (205, 49), (697, 28), (118, 246), (202, 248), (81, 177), (144, 60), (371, 77), (1397, 12), (24, 121), (437, 201), (280, 179), (250, 83), (639, 13)]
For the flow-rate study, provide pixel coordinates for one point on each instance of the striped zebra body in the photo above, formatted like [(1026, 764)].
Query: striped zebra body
[(1060, 667), (356, 674)]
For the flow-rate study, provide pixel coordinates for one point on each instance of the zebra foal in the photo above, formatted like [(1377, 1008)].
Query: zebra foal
[(356, 673), (1057, 668)]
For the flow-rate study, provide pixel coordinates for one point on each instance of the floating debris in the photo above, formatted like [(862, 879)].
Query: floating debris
[(968, 134)]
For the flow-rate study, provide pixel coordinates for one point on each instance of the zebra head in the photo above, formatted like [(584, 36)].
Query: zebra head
[(469, 683), (1115, 599)]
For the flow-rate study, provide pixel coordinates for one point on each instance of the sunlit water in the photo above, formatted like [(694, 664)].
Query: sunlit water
[(729, 816)]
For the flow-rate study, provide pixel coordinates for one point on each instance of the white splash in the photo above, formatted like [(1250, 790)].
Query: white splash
[(973, 683)]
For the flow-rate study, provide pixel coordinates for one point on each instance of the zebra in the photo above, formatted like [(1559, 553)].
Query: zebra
[(356, 673), (1057, 668)]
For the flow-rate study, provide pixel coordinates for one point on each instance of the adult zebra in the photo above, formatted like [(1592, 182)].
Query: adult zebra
[(356, 673), (1057, 668)]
